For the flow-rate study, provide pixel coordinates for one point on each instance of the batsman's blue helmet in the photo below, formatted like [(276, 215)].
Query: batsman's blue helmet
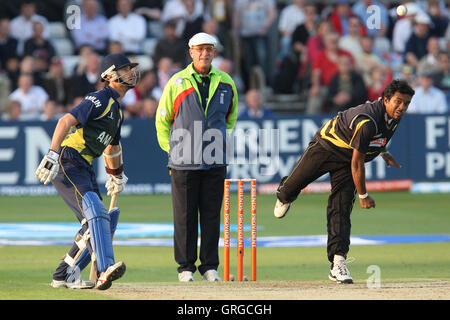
[(113, 62)]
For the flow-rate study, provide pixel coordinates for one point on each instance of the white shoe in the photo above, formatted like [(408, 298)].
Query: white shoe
[(77, 284), (211, 275), (281, 209), (113, 272), (58, 284), (185, 276), (339, 271)]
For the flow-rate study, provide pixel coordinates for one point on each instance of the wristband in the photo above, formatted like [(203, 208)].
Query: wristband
[(114, 172), (363, 196), (53, 155), (383, 153)]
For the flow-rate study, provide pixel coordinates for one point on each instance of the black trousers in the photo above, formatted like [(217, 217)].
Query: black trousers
[(197, 193), (315, 162)]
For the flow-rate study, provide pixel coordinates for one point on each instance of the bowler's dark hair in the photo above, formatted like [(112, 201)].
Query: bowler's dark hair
[(397, 85)]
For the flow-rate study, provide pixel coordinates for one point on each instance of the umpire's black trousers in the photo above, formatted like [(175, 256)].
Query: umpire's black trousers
[(197, 193), (315, 162)]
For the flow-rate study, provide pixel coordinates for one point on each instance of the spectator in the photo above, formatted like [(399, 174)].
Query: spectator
[(441, 79), (407, 73), (252, 21), (176, 10), (28, 65), (8, 45), (211, 27), (13, 111), (324, 67), (447, 37), (94, 30), (5, 88), (31, 98), (367, 59), (171, 46), (340, 18), (22, 25), (134, 98), (291, 16), (149, 106), (254, 107), (86, 81), (380, 77), (293, 68), (428, 98), (439, 20), (315, 43), (415, 48), (12, 69), (85, 52), (128, 28), (346, 88), (40, 48), (115, 47), (302, 34), (193, 21), (403, 28), (56, 85), (351, 42), (223, 64), (431, 60), (222, 12), (50, 111), (150, 9), (165, 70)]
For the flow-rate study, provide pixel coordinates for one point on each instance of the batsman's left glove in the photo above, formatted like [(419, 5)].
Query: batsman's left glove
[(48, 168)]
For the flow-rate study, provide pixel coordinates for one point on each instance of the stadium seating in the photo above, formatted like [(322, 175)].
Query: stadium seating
[(57, 30)]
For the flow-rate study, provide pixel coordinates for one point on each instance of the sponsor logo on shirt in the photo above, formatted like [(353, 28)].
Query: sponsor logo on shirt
[(378, 142)]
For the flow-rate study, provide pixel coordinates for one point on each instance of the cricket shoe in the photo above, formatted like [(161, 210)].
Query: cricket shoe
[(185, 276), (77, 284), (339, 271), (211, 275), (281, 209), (113, 272)]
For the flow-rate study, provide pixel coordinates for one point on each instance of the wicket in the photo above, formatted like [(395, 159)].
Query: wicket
[(240, 235)]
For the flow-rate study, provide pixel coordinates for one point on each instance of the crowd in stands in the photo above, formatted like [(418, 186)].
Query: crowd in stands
[(332, 54)]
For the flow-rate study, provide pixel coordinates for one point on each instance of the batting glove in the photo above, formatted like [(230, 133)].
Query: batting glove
[(48, 168), (116, 183)]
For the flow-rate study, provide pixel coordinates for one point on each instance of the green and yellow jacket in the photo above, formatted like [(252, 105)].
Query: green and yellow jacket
[(195, 136)]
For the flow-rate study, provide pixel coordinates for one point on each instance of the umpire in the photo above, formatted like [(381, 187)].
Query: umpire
[(340, 148), (197, 107)]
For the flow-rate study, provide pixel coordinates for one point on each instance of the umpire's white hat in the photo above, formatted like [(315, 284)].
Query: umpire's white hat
[(202, 38)]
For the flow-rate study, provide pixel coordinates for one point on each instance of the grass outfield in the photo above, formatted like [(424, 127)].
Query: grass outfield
[(25, 272)]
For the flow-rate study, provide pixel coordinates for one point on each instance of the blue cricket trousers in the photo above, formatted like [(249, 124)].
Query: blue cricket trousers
[(75, 178)]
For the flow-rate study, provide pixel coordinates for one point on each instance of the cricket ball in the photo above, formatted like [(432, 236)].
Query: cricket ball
[(401, 10)]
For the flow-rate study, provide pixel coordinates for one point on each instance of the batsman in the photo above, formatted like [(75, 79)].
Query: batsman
[(89, 130)]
